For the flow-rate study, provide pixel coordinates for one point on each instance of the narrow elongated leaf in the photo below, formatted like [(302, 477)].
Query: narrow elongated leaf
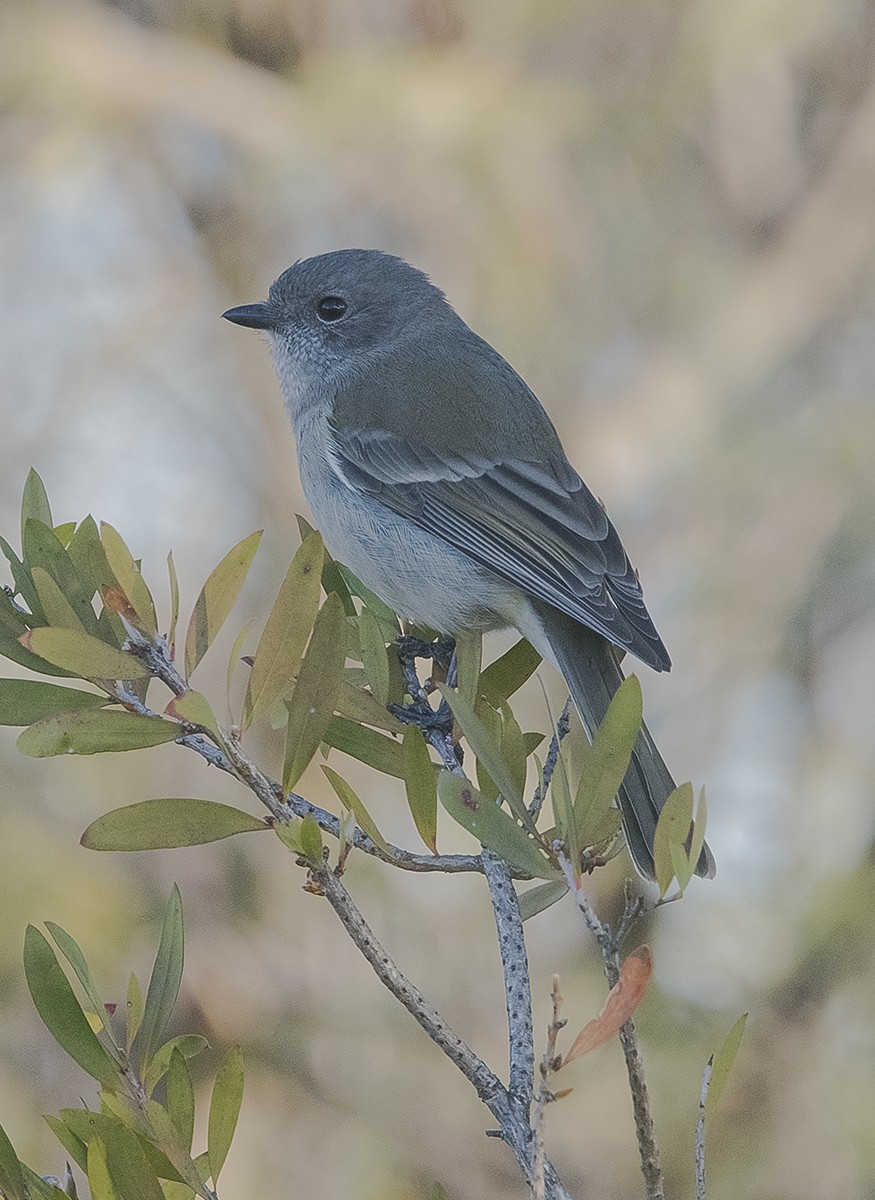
[(11, 1177), (469, 655), (537, 899), (94, 731), (189, 1045), (313, 701), (130, 1171), (360, 706), (34, 502), (353, 804), (310, 837), (513, 747), (133, 1011), (285, 634), (507, 674), (332, 580), (88, 558), (74, 956), (420, 782), (623, 998), (180, 1098), (374, 657), (217, 598), (563, 814), (235, 658), (672, 830), (225, 1104), (170, 1143), (60, 1010), (492, 826), (99, 1180), (83, 655), (127, 574), (74, 1146), (25, 701), (488, 753), (605, 761), (23, 582), (722, 1064), (57, 608), (41, 548), (173, 581), (367, 745), (384, 615), (167, 823), (164, 983)]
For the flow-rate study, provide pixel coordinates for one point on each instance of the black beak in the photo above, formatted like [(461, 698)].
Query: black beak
[(254, 316)]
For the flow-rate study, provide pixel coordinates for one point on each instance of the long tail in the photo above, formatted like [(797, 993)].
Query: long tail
[(590, 668)]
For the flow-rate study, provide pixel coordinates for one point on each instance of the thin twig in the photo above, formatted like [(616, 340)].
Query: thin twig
[(549, 1065), (609, 946), (700, 1131)]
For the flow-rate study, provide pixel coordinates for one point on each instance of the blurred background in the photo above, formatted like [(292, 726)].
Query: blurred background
[(662, 213)]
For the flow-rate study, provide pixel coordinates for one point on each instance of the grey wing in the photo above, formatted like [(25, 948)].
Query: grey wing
[(540, 528)]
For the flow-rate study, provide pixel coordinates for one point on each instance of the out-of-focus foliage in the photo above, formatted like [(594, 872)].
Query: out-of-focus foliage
[(662, 214)]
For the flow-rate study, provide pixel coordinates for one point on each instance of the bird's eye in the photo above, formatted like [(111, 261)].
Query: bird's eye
[(331, 308)]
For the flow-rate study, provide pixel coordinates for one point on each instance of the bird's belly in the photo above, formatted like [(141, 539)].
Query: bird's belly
[(421, 576)]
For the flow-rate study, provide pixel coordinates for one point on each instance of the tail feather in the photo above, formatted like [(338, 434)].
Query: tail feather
[(590, 668)]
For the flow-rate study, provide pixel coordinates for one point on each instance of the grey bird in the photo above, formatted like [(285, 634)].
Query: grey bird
[(434, 473)]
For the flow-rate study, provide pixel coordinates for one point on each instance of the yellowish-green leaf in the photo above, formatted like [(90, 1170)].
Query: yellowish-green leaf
[(332, 580), (99, 1181), (367, 745), (41, 548), (74, 1146), (672, 828), (420, 782), (492, 826), (64, 532), (385, 617), (34, 502), (25, 701), (225, 1104), (469, 655), (173, 580), (722, 1064), (57, 608), (697, 841), (127, 574), (285, 634), (236, 657), (94, 731), (310, 837), (180, 1097), (541, 897), (351, 801), (359, 705), (488, 753), (74, 956), (217, 598), (193, 708), (563, 813), (374, 657), (11, 1176), (507, 674), (290, 835), (82, 654), (167, 823), (133, 1011), (604, 762), (189, 1045), (513, 747), (169, 1142), (313, 701), (164, 981)]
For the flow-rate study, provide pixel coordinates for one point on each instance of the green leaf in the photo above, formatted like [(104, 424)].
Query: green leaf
[(513, 747), (99, 1180), (39, 1188), (310, 837), (89, 558), (189, 1045), (173, 581), (384, 615), (361, 707), (722, 1064), (290, 835), (367, 745), (285, 634), (672, 829), (235, 657), (64, 532), (41, 548), (605, 761), (94, 731), (61, 1012), (563, 814), (11, 1177), (127, 574), (57, 608), (351, 801), (167, 823), (133, 1011), (374, 657), (170, 1143), (469, 655), (25, 701), (225, 1106), (420, 782), (74, 956), (132, 1175), (487, 753), (697, 841), (537, 899), (74, 1146), (217, 597), (83, 655), (23, 583), (34, 502), (332, 580), (492, 826), (194, 708), (180, 1097), (311, 707), (164, 983), (507, 674)]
